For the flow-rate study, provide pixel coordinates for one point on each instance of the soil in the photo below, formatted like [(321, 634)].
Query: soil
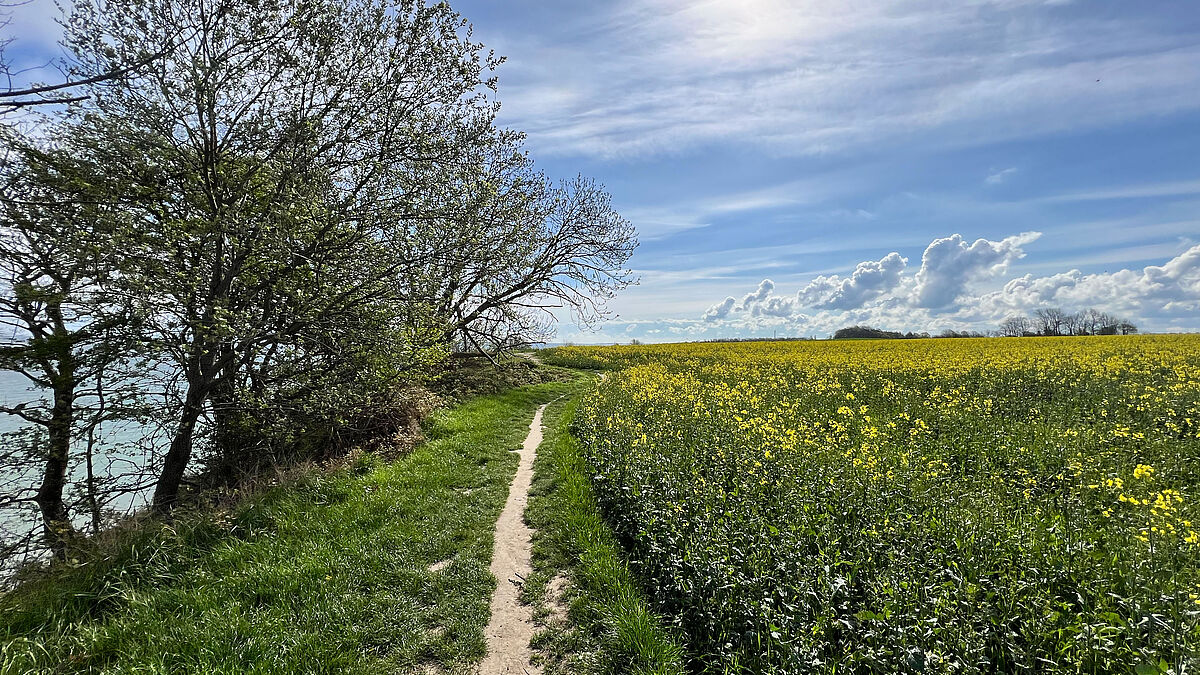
[(512, 626)]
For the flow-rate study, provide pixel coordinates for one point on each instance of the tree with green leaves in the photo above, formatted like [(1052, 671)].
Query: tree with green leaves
[(284, 218), (268, 160), (67, 327), (506, 244)]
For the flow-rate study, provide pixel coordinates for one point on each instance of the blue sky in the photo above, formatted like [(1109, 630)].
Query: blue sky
[(794, 167)]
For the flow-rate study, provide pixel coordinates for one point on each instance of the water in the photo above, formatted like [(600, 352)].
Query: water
[(118, 454), (13, 390)]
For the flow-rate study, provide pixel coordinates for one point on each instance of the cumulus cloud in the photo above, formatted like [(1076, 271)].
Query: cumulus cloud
[(782, 307), (720, 310), (765, 287), (757, 303), (870, 280), (938, 297), (950, 263), (1157, 291)]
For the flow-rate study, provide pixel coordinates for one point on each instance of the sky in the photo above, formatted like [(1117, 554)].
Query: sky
[(793, 167)]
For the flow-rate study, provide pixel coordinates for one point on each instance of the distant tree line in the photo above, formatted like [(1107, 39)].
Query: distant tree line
[(1055, 321), (248, 231), (872, 333), (759, 339), (1043, 322)]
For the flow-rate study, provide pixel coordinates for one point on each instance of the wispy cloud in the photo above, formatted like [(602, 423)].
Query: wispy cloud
[(1150, 190), (666, 219), (803, 78), (1000, 176)]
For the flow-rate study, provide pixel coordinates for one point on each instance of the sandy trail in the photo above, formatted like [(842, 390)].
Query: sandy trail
[(512, 626)]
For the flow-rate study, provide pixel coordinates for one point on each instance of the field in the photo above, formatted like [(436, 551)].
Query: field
[(951, 506)]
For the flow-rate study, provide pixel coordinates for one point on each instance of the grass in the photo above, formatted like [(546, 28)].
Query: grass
[(610, 628), (328, 574)]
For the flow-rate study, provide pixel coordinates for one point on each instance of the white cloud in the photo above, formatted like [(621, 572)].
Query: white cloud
[(765, 287), (949, 264), (1154, 293), (781, 307), (679, 74), (869, 280), (1168, 189), (1000, 176), (1156, 297), (667, 219), (757, 303), (720, 310)]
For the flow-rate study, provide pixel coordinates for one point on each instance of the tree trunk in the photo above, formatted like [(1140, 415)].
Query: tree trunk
[(228, 439), (93, 497), (56, 520), (166, 493)]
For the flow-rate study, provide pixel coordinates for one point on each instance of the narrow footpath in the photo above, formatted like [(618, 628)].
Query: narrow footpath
[(511, 626)]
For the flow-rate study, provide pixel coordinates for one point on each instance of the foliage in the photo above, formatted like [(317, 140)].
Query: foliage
[(910, 506), (861, 332), (73, 338), (329, 573), (266, 159), (503, 243), (464, 375), (611, 628), (307, 205)]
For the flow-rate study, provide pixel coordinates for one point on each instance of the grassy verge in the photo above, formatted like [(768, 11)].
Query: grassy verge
[(607, 627), (374, 568)]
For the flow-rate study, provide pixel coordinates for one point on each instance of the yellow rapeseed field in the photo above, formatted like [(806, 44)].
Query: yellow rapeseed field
[(971, 505)]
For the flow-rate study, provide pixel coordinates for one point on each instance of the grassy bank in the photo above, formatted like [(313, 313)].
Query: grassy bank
[(607, 627), (374, 568)]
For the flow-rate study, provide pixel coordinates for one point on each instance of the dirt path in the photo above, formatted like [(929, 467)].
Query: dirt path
[(511, 627), (532, 357)]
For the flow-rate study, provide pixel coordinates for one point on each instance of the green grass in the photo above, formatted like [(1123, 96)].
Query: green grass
[(327, 574), (610, 628)]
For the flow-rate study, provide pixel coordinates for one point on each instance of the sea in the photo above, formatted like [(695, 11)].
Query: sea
[(118, 452)]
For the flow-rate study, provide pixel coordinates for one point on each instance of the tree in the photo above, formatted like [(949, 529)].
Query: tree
[(866, 332), (1053, 321), (1073, 323), (306, 202), (506, 242), (56, 258), (278, 143), (1050, 320), (13, 98), (1015, 326), (1089, 321), (951, 333)]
